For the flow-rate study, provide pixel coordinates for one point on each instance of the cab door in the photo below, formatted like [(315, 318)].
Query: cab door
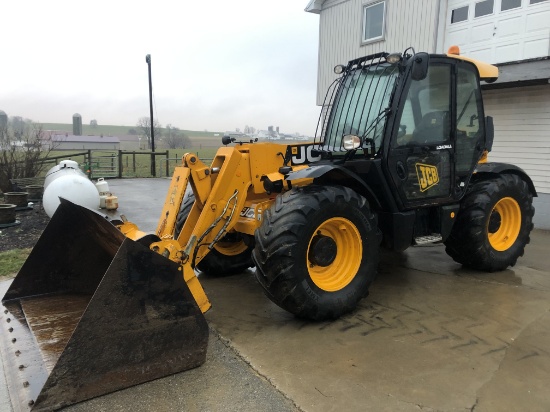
[(420, 159), (470, 134)]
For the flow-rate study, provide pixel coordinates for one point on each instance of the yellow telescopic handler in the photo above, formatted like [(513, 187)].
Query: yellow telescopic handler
[(399, 159)]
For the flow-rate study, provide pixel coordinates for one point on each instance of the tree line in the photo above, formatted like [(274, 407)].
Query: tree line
[(21, 149), (171, 137)]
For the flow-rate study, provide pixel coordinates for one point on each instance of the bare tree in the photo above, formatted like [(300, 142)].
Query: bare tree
[(17, 126), (144, 128), (21, 151), (175, 138)]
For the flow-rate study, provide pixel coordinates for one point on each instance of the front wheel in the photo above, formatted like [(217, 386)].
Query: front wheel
[(317, 251), (493, 224), (231, 255)]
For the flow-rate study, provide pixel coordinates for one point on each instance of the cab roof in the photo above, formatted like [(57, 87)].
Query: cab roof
[(487, 71)]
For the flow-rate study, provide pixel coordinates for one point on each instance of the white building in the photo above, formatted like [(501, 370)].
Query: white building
[(512, 34)]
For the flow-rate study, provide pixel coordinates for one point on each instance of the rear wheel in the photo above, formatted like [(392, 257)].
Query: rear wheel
[(231, 255), (317, 251), (493, 224)]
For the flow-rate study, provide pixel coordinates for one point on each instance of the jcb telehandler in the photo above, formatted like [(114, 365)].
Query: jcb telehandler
[(399, 158)]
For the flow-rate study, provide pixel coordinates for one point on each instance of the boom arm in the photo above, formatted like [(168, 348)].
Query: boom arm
[(219, 198), (233, 182)]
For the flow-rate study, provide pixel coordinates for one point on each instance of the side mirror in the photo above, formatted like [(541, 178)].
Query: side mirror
[(226, 140), (420, 63)]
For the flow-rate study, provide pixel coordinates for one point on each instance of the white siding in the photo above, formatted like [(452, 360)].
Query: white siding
[(408, 23), (522, 130)]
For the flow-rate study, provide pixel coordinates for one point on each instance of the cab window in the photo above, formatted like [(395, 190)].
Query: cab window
[(425, 119), (469, 124)]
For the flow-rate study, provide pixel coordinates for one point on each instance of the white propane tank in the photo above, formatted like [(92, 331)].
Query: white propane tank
[(102, 186), (63, 168), (103, 201), (74, 187)]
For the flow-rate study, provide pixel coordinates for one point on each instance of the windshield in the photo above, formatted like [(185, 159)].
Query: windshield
[(360, 106)]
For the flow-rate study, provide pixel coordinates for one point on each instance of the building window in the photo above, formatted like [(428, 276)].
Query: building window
[(536, 1), (510, 4), (460, 14), (373, 21), (484, 8)]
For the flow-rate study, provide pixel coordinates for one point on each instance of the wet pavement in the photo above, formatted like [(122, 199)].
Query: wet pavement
[(430, 336)]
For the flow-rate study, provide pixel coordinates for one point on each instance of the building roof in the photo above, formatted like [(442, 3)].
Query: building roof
[(128, 138), (315, 6), (84, 139)]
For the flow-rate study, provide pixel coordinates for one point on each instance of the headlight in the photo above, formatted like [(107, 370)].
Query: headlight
[(350, 142), (393, 58), (339, 69)]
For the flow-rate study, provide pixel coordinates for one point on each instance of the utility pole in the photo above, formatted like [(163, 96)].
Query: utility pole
[(153, 165)]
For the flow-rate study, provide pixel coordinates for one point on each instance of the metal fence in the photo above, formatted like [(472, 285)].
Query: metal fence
[(142, 164), (121, 163), (80, 157)]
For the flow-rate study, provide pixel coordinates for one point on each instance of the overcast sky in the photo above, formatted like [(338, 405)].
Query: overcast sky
[(216, 64)]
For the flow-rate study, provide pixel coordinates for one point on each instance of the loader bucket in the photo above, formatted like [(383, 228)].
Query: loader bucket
[(91, 312)]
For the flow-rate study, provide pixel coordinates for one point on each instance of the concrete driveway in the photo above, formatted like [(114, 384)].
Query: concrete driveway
[(431, 336)]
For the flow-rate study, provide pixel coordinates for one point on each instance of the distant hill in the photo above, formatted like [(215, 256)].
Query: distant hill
[(110, 130)]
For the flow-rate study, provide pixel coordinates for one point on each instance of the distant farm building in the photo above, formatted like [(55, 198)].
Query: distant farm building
[(72, 142), (132, 142)]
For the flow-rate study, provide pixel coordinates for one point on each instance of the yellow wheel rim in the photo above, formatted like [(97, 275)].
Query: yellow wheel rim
[(230, 248), (349, 251), (504, 224)]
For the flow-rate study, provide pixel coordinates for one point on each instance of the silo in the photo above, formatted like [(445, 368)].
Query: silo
[(77, 124), (3, 120)]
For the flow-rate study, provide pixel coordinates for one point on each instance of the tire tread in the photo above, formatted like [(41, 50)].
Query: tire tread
[(468, 242)]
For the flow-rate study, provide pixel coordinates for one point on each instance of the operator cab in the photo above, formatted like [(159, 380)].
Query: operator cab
[(420, 116), (438, 133)]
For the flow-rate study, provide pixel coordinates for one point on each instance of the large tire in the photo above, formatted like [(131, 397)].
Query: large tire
[(493, 224), (185, 209), (231, 255), (317, 251)]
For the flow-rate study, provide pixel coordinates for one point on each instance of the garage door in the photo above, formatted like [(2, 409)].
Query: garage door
[(499, 31), (522, 137), (522, 124)]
